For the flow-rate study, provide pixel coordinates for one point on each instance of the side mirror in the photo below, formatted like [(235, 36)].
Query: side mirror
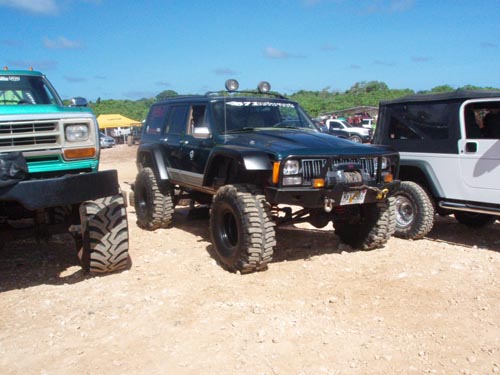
[(78, 102), (201, 132)]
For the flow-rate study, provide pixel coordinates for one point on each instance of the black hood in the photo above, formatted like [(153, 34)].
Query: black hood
[(285, 142)]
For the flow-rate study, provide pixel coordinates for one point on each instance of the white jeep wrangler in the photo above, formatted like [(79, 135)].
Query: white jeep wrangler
[(450, 157)]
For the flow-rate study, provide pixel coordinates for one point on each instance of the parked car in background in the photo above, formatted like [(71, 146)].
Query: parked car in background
[(367, 123), (106, 141), (320, 126), (450, 161), (343, 129)]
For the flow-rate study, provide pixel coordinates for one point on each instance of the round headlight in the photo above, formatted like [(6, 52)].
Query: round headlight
[(264, 87), (232, 85)]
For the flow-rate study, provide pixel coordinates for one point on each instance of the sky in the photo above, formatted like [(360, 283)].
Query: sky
[(121, 49)]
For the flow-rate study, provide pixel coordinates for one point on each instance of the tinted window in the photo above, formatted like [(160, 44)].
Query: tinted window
[(240, 114), (156, 119), (420, 121), (176, 123)]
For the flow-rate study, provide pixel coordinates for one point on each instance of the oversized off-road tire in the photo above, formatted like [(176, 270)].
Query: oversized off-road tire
[(474, 220), (368, 226), (356, 138), (242, 229), (414, 211), (104, 244), (153, 208)]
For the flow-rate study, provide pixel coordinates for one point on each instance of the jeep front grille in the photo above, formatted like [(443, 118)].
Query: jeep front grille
[(367, 164), (313, 168)]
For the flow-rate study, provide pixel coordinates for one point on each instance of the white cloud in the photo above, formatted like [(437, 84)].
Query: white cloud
[(34, 6), (225, 72), (60, 43), (274, 53), (41, 65)]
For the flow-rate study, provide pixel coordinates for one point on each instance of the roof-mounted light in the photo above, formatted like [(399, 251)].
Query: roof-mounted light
[(232, 85), (264, 87)]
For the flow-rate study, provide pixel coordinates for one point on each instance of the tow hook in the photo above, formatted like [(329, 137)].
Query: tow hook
[(382, 194), (328, 205)]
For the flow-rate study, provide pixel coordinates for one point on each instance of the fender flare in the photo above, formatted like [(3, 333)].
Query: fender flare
[(152, 157), (248, 158)]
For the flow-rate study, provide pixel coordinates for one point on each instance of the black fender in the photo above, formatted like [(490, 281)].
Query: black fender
[(151, 156), (247, 158)]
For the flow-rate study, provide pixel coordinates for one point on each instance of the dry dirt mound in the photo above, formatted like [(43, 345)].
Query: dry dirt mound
[(412, 307)]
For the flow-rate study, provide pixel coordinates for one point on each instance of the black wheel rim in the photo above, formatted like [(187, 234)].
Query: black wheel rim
[(228, 233), (229, 229), (142, 205)]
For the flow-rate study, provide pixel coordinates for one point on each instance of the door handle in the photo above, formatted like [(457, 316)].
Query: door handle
[(471, 147)]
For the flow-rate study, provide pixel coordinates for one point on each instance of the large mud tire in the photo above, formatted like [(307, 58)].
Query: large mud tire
[(474, 220), (242, 229), (153, 208), (414, 211), (370, 227), (105, 237)]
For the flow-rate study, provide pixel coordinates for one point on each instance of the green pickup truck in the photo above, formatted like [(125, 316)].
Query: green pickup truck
[(49, 178)]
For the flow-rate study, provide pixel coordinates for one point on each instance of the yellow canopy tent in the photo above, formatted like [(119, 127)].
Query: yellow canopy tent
[(116, 121)]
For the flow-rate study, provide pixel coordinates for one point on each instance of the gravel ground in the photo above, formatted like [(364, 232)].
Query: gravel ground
[(412, 307)]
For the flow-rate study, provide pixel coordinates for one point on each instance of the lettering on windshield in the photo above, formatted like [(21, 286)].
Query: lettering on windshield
[(10, 78), (259, 104)]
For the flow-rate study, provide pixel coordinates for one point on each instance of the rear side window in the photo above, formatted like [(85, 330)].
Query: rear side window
[(156, 119), (428, 121), (177, 119)]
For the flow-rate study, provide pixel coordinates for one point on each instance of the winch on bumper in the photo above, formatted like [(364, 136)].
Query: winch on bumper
[(330, 182)]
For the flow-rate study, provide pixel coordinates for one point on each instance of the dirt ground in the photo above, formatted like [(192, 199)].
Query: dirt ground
[(412, 307)]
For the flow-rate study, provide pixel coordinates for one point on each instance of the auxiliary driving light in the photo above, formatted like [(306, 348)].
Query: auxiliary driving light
[(264, 87), (232, 85)]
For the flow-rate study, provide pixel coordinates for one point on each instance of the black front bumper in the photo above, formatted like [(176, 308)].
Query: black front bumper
[(315, 198), (60, 191)]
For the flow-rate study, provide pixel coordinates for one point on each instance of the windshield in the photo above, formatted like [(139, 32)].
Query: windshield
[(250, 114), (20, 89)]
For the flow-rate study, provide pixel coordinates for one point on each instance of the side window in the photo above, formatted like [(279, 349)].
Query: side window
[(156, 119), (176, 123), (420, 121), (482, 120), (197, 117)]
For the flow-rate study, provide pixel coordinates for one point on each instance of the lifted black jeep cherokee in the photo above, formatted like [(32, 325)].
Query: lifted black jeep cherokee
[(252, 157)]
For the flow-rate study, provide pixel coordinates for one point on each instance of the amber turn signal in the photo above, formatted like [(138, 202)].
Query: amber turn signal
[(276, 172), (318, 183), (78, 153), (388, 177)]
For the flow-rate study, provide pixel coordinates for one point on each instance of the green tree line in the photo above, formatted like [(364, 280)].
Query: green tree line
[(365, 93)]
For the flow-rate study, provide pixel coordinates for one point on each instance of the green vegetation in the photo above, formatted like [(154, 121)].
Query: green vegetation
[(314, 102)]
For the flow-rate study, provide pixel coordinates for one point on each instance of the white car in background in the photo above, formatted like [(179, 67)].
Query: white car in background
[(343, 129)]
